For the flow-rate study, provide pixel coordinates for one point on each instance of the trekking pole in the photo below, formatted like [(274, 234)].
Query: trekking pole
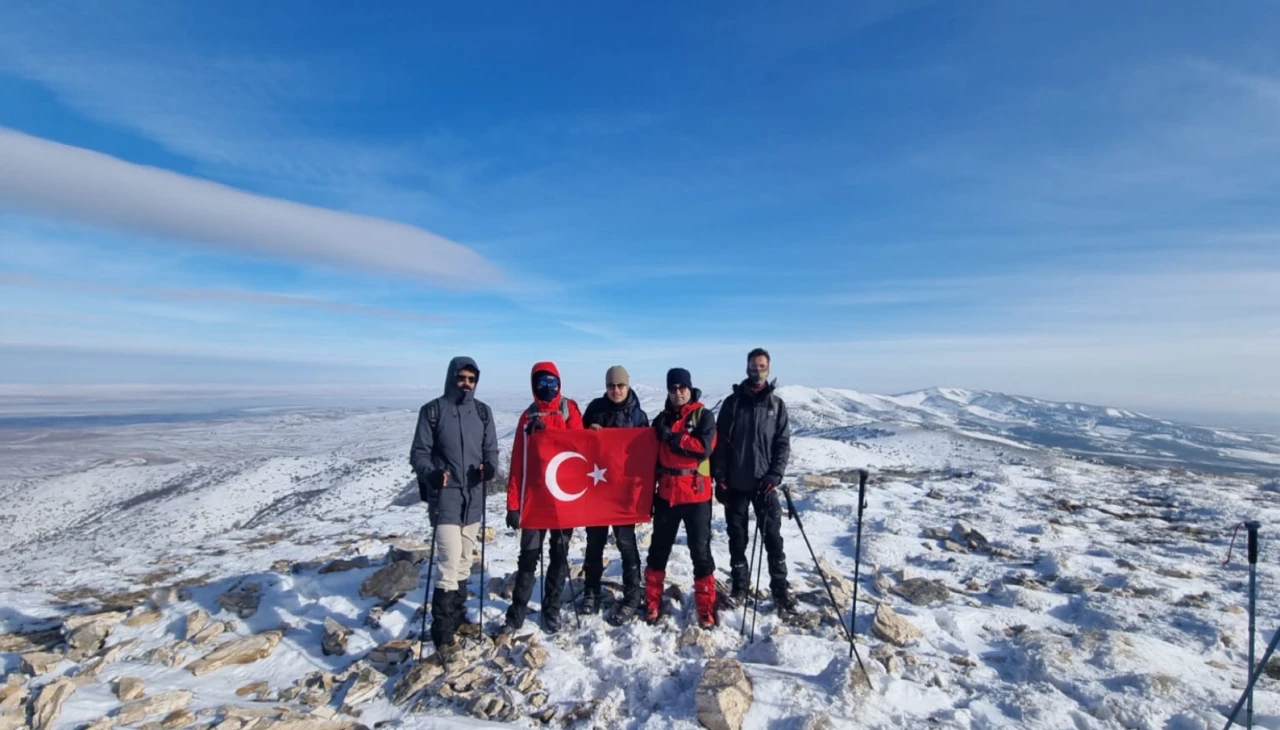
[(835, 606), (1257, 673), (755, 592), (1252, 528), (484, 534), (857, 565), (426, 594), (573, 593), (755, 538)]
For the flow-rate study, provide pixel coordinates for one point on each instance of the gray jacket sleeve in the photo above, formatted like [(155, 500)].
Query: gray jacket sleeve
[(781, 443), (489, 445), (423, 444)]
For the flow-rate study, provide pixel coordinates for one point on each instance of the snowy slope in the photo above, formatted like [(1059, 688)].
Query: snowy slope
[(1100, 603)]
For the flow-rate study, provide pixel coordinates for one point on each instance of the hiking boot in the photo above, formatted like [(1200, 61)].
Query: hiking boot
[(590, 602), (551, 621), (462, 626), (784, 604), (623, 613), (704, 594), (443, 617), (653, 583)]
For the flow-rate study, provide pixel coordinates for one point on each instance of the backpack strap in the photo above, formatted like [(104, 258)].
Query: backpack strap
[(433, 416), (485, 416)]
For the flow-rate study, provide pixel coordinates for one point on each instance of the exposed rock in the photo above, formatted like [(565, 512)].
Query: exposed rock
[(22, 643), (391, 582), (534, 657), (342, 565), (393, 653), (881, 582), (240, 651), (922, 591), (893, 665), (129, 688), (893, 628), (936, 533), (413, 551), (162, 597), (102, 723), (817, 481), (106, 618), (161, 704), (502, 587), (106, 657), (87, 640), (1176, 573), (177, 719), (335, 638), (470, 679), (723, 695), (487, 706), (243, 600), (259, 689), (365, 686), (13, 692), (841, 586), (538, 699), (208, 633), (490, 534), (970, 538), (48, 704), (936, 493), (374, 618), (36, 663), (954, 547), (694, 636), (422, 674), (196, 620), (142, 617), (168, 655), (1076, 585)]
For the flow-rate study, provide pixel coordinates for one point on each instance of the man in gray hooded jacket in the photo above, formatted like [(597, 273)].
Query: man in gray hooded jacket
[(453, 455)]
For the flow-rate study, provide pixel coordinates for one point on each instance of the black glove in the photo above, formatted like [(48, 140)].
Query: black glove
[(513, 519), (722, 494), (768, 484), (534, 424), (487, 471), (663, 430)]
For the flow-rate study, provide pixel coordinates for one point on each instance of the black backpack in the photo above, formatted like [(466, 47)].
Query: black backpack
[(433, 415)]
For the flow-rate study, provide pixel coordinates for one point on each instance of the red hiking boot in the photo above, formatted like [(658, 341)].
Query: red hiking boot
[(704, 594), (653, 584)]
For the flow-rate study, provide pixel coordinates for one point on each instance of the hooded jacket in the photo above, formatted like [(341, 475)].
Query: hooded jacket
[(754, 439), (552, 413), (459, 444), (684, 473)]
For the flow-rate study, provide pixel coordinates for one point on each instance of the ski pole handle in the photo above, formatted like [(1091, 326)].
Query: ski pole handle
[(791, 506), (1252, 527), (862, 489)]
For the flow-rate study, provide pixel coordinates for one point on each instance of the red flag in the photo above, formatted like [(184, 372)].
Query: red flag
[(588, 478)]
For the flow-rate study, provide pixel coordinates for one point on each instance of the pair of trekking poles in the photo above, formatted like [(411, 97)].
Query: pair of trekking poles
[(757, 558)]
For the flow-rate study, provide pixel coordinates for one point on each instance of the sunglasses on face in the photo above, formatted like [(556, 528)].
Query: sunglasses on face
[(615, 386), (467, 379), (677, 388), (548, 381)]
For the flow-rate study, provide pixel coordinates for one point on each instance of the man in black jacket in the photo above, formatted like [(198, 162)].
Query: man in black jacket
[(454, 451), (617, 408), (752, 450)]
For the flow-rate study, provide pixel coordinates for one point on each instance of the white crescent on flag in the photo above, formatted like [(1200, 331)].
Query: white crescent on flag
[(553, 483)]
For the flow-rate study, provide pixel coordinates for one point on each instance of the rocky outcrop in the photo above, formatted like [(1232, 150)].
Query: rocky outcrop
[(48, 704), (196, 621), (891, 627), (129, 688), (723, 695), (391, 582), (240, 651), (161, 704), (418, 678), (243, 600), (36, 663), (922, 591), (334, 642)]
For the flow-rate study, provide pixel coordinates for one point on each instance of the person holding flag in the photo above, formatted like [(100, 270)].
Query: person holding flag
[(686, 434), (617, 408), (549, 410)]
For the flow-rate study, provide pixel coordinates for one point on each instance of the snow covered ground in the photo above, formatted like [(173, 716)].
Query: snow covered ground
[(1077, 594)]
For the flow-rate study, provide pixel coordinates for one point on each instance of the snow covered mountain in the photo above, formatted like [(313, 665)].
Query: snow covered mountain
[(1029, 588)]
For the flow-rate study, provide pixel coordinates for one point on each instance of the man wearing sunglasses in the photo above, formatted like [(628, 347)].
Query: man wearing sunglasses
[(453, 454), (549, 409), (686, 434), (617, 408)]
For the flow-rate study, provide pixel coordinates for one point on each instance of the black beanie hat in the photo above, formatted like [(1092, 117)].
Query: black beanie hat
[(679, 376)]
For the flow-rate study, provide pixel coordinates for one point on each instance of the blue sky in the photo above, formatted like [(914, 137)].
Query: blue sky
[(1068, 200)]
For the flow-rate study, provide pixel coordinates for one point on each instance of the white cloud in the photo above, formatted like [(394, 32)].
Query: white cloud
[(40, 176)]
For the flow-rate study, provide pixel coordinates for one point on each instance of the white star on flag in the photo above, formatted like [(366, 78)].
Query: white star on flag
[(597, 475)]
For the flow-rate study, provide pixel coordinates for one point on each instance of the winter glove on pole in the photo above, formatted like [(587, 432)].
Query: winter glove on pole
[(535, 424), (513, 519), (487, 471), (768, 484)]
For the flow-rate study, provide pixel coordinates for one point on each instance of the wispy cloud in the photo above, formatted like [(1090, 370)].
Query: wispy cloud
[(37, 175)]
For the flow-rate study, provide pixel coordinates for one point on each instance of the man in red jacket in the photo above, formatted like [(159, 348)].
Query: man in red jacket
[(686, 436), (549, 409)]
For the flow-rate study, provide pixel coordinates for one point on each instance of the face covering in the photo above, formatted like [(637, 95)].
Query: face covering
[(546, 388), (757, 377)]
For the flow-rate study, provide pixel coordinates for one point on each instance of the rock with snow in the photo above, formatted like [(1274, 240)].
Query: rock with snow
[(416, 680), (48, 704), (13, 692), (196, 621), (891, 627), (143, 617), (243, 600), (412, 551), (841, 586), (129, 688), (161, 704), (36, 663), (393, 653), (365, 686), (922, 591), (341, 565), (391, 582), (209, 633), (723, 695), (177, 719), (240, 651), (487, 706), (817, 481), (334, 642), (534, 657), (1074, 585), (257, 689)]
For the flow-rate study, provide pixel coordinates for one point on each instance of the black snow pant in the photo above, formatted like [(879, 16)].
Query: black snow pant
[(625, 536), (527, 568), (697, 530), (768, 509)]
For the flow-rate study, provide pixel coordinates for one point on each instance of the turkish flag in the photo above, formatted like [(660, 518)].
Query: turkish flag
[(587, 478)]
